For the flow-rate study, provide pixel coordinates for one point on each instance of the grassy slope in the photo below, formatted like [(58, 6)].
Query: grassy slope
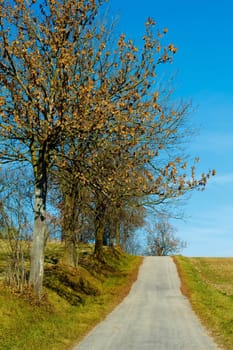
[(208, 283), (58, 323)]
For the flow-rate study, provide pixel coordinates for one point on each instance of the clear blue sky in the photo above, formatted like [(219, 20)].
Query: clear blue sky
[(203, 33)]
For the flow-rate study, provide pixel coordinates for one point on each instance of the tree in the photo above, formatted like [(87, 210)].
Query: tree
[(15, 212), (162, 241), (74, 209), (118, 122), (68, 94), (39, 45)]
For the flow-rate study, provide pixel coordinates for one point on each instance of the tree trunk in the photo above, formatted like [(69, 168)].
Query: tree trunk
[(71, 254), (68, 228), (99, 231), (118, 233), (99, 252), (111, 239), (40, 228)]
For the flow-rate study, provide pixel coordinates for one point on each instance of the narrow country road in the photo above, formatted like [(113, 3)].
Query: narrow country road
[(155, 315)]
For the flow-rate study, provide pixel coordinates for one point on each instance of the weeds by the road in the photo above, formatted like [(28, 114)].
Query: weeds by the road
[(60, 321), (208, 283)]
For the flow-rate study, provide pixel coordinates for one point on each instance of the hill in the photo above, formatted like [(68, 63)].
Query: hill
[(75, 299)]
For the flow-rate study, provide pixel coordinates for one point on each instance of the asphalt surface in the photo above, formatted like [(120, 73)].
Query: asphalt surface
[(155, 315)]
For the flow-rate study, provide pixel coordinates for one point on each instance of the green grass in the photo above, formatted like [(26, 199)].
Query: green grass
[(59, 322), (208, 283)]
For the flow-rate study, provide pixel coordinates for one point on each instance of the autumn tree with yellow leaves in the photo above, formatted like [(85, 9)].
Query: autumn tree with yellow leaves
[(73, 102), (40, 46)]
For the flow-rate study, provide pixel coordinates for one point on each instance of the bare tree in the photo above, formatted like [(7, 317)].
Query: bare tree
[(15, 212), (161, 240)]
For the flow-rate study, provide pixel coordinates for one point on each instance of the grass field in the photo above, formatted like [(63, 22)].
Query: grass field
[(208, 283), (75, 301)]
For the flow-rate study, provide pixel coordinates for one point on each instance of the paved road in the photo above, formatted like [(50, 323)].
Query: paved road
[(155, 315)]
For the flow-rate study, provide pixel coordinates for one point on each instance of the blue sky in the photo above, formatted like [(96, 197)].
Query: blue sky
[(203, 33)]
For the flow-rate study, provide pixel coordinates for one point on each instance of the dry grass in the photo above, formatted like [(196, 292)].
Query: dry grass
[(208, 283), (58, 323)]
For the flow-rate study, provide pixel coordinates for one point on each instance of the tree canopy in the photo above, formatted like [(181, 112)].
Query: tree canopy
[(86, 109)]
